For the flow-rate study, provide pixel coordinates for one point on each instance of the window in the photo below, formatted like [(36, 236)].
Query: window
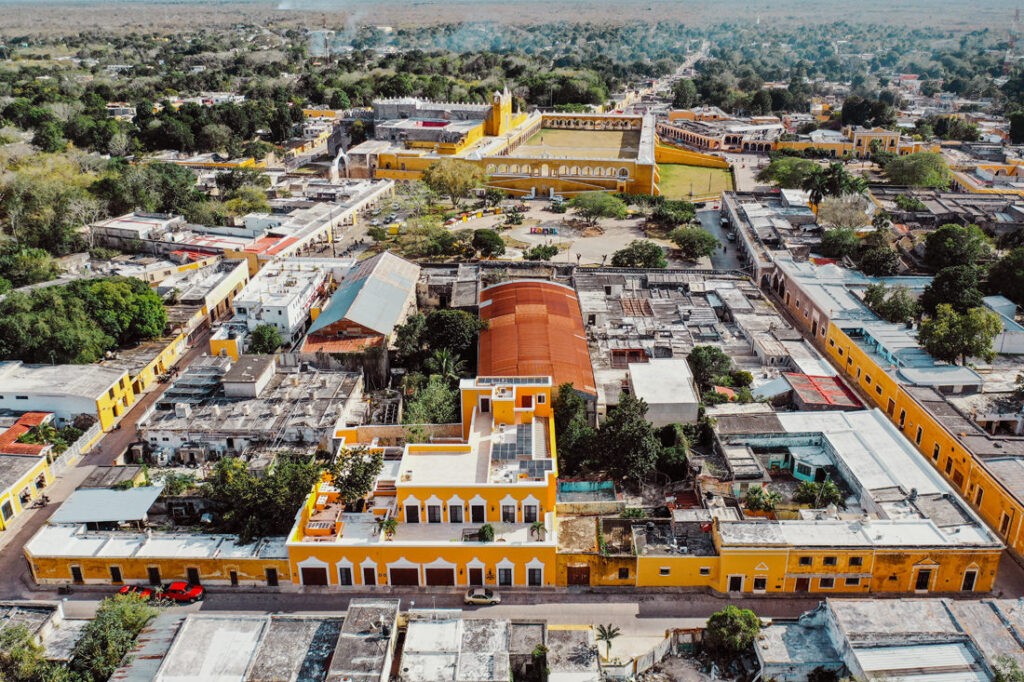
[(534, 577), (878, 390), (433, 513), (705, 570), (664, 570), (867, 379), (970, 578), (623, 574), (903, 418), (949, 465), (760, 584), (25, 397), (852, 582), (542, 399), (917, 438), (505, 577), (6, 511), (841, 352), (508, 513), (806, 561), (455, 513), (345, 576), (935, 452), (529, 513), (832, 342), (1004, 524), (924, 580), (830, 561), (271, 574), (115, 575), (978, 496), (803, 469), (856, 561), (826, 583), (193, 575)]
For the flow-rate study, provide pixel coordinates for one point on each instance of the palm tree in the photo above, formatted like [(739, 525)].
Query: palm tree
[(445, 365), (816, 185), (388, 527), (538, 528), (606, 633)]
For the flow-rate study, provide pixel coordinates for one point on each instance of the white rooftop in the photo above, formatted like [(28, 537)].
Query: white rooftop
[(663, 381), (81, 381), (76, 541)]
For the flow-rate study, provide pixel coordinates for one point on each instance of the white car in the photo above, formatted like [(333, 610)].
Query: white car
[(482, 596)]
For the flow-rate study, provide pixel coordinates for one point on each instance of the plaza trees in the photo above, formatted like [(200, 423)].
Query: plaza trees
[(640, 253), (453, 178), (694, 242), (788, 172), (592, 206)]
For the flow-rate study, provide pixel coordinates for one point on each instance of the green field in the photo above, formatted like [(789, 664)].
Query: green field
[(581, 144), (684, 182)]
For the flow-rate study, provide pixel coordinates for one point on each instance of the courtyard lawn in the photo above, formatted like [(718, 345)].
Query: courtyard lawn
[(581, 144), (678, 181)]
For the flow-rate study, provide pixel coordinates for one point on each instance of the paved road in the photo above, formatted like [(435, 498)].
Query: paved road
[(711, 221), (14, 570)]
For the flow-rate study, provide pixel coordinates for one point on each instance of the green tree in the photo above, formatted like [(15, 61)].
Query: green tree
[(21, 659), (453, 178), (110, 636), (879, 261), (1007, 670), (355, 471), (266, 339), (573, 432), (1007, 276), (839, 242), (435, 403), (923, 169), (258, 506), (543, 252), (956, 245), (956, 286), (819, 494), (706, 363), (730, 632), (788, 172), (684, 94), (628, 443), (592, 206), (848, 211), (640, 253), (493, 197), (694, 242), (488, 242), (455, 330), (951, 335), (892, 305), (606, 634), (444, 364), (409, 342), (49, 137), (759, 499)]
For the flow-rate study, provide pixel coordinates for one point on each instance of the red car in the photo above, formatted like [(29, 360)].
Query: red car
[(144, 592), (181, 591)]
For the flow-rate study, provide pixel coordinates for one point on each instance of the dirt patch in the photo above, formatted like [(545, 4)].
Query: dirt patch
[(577, 534), (675, 669)]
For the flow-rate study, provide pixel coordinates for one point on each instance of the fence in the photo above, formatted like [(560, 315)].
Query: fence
[(674, 641), (70, 457)]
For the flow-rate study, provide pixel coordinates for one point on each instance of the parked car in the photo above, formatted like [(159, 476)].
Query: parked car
[(699, 204), (140, 590), (182, 592), (482, 596), (731, 236)]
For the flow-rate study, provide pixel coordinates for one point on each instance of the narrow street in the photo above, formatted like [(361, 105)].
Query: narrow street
[(14, 570), (711, 220)]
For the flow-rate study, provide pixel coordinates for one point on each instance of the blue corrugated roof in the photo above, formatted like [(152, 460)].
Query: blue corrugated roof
[(104, 505), (372, 295)]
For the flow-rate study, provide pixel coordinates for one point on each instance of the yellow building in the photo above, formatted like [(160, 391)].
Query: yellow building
[(976, 451), (24, 467), (500, 474), (900, 531), (523, 154), (66, 390)]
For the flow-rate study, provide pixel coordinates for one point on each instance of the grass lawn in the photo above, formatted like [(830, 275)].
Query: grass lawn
[(678, 181), (581, 144)]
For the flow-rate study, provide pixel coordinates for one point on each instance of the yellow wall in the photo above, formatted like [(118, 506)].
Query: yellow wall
[(230, 347), (96, 570), (967, 474), (113, 402), (664, 153)]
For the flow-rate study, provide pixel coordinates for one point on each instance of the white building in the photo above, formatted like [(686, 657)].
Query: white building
[(666, 385)]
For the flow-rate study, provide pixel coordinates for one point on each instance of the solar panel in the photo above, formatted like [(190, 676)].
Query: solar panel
[(524, 439), (535, 468), (504, 451)]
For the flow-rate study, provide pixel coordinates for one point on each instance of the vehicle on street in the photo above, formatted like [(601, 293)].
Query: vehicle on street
[(140, 590), (699, 204), (482, 596), (182, 592), (731, 236)]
